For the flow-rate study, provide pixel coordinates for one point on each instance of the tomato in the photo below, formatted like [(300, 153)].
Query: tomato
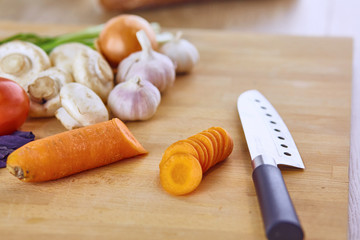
[(14, 106)]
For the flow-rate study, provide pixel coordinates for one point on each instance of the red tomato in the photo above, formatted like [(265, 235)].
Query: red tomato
[(14, 106)]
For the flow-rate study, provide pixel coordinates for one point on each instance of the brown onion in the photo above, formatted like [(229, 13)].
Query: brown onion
[(118, 39)]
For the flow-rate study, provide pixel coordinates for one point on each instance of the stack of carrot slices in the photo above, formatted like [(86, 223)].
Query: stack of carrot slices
[(184, 162)]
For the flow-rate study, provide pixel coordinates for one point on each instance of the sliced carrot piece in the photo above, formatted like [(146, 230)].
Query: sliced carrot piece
[(220, 143), (228, 142), (209, 147), (199, 150), (180, 174), (206, 155), (215, 146), (185, 161), (180, 146), (74, 151)]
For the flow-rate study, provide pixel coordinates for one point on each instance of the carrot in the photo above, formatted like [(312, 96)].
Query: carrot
[(228, 142), (181, 174), (220, 142), (74, 151), (179, 147), (204, 150), (185, 161), (200, 151), (208, 146)]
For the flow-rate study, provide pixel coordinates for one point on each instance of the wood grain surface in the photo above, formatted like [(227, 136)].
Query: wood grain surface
[(308, 80)]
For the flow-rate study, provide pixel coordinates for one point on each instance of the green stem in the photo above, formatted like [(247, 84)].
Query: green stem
[(86, 36)]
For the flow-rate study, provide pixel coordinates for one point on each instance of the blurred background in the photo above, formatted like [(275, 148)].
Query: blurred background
[(335, 18), (296, 17)]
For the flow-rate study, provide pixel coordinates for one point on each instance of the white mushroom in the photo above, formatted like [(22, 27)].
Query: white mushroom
[(80, 107), (63, 55), (92, 70), (44, 90), (20, 61)]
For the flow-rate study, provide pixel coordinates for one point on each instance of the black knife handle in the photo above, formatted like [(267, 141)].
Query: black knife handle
[(279, 216)]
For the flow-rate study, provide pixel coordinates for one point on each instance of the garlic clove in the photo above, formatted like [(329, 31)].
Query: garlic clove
[(82, 105), (92, 70), (149, 65), (161, 37), (63, 55), (135, 99), (20, 61), (44, 89), (183, 53)]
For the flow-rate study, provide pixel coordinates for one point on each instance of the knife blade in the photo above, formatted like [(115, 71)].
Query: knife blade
[(270, 144)]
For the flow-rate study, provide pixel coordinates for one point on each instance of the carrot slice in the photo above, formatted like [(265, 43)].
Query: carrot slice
[(228, 142), (180, 174), (206, 155), (220, 143), (215, 146), (209, 147), (180, 146), (185, 161), (199, 150), (74, 151)]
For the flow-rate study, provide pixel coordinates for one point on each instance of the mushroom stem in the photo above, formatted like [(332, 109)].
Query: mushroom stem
[(43, 88), (15, 64)]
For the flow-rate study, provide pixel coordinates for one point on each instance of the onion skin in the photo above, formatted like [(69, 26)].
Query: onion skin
[(118, 39)]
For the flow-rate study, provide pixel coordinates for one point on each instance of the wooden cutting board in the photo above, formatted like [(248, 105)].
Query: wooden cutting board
[(308, 80)]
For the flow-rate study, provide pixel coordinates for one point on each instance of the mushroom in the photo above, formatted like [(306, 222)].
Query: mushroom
[(92, 70), (63, 55), (20, 61), (44, 90), (80, 106)]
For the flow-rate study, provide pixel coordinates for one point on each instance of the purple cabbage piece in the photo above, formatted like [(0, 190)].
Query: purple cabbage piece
[(9, 143)]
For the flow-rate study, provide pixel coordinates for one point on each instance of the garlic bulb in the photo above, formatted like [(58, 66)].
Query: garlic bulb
[(63, 55), (80, 107), (183, 53), (44, 90), (148, 65), (20, 61), (134, 99), (92, 70)]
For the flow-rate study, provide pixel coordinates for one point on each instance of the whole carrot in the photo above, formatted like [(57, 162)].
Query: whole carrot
[(74, 151)]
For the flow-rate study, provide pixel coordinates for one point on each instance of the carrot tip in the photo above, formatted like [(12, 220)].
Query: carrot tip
[(16, 171)]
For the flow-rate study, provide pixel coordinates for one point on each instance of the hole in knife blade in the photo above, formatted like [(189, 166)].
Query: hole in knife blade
[(257, 100), (277, 130), (279, 137), (272, 122), (269, 115), (287, 154), (284, 146), (263, 107)]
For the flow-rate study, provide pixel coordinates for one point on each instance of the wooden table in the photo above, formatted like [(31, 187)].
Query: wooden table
[(303, 17)]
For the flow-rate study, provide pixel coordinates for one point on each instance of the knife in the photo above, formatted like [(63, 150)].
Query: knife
[(270, 144)]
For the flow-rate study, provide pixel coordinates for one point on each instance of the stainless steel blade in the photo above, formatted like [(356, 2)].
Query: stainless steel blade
[(265, 131)]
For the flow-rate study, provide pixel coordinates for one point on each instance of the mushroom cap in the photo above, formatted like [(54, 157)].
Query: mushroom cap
[(20, 61), (63, 55), (92, 70), (82, 104)]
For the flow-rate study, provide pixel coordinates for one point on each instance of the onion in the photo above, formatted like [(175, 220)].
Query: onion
[(118, 39)]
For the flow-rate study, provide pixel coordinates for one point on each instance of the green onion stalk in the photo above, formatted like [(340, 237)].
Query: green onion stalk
[(86, 36)]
